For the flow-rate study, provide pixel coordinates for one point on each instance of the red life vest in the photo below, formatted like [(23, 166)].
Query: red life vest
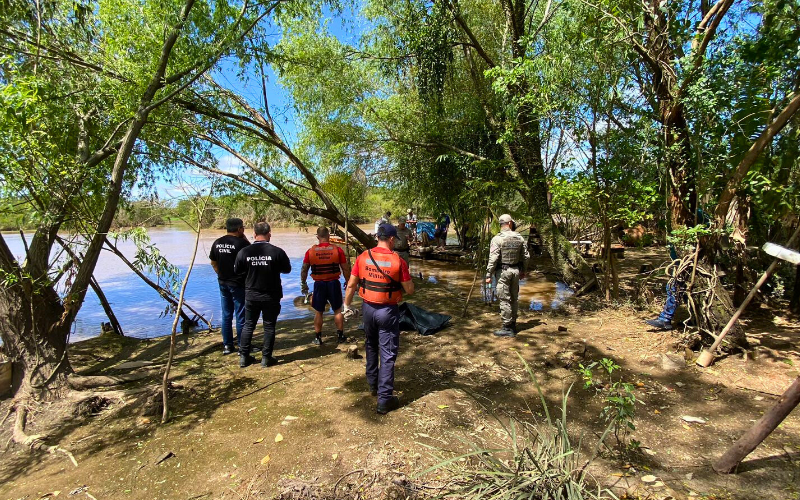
[(324, 262), (379, 287)]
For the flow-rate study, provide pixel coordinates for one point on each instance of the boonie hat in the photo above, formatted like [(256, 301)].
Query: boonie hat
[(387, 230), (402, 219), (505, 219)]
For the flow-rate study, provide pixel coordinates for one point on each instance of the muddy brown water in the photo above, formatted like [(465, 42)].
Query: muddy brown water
[(142, 313)]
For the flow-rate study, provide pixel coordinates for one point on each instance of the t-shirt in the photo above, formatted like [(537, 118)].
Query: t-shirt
[(223, 252), (401, 241), (261, 264), (404, 274), (307, 258)]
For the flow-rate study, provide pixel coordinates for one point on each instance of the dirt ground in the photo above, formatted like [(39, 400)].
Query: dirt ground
[(309, 421)]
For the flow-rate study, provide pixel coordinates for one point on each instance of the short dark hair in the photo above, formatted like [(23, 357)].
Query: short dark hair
[(323, 232), (233, 224), (388, 213), (261, 228)]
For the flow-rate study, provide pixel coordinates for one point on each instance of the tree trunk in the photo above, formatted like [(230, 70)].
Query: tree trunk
[(794, 304), (682, 199), (35, 340)]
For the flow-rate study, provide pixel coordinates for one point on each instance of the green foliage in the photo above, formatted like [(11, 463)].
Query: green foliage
[(620, 407), (149, 259)]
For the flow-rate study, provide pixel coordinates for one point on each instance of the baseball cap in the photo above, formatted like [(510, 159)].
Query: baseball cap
[(387, 230), (408, 211), (505, 219)]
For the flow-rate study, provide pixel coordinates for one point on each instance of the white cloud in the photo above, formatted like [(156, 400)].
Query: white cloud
[(229, 164)]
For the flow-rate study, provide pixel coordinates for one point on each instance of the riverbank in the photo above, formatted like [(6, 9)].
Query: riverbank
[(234, 433)]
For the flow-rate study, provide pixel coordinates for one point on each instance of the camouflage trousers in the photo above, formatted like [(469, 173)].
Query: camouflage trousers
[(507, 294)]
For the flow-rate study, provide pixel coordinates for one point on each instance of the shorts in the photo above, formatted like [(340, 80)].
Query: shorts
[(327, 292)]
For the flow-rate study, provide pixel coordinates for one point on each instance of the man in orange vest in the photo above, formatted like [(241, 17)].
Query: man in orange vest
[(381, 277), (325, 262)]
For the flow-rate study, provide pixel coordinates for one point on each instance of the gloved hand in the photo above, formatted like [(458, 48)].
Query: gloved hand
[(304, 288), (348, 312)]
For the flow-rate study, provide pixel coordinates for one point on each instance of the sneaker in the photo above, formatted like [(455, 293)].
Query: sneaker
[(227, 350), (388, 406), (373, 390), (245, 361), (318, 340), (659, 324), (505, 332), (268, 361)]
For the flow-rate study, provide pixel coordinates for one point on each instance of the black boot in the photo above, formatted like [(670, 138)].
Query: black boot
[(388, 406), (268, 361), (505, 331), (246, 360), (340, 336)]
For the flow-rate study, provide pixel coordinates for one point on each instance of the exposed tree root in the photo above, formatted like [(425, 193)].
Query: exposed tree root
[(34, 442), (82, 383)]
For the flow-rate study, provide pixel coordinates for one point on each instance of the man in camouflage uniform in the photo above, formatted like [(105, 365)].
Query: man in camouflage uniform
[(508, 257), (402, 241)]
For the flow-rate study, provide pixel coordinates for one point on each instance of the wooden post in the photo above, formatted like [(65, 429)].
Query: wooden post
[(728, 462)]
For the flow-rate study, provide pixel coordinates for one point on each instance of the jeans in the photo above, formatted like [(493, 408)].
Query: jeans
[(232, 299), (252, 311), (674, 293), (382, 327)]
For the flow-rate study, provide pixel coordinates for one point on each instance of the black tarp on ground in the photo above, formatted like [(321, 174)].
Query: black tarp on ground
[(424, 322)]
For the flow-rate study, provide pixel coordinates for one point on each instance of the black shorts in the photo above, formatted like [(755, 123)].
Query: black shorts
[(326, 292)]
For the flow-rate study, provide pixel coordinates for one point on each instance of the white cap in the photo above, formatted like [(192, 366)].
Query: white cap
[(408, 211), (505, 219)]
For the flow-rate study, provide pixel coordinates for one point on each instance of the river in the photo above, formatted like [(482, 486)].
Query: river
[(140, 310)]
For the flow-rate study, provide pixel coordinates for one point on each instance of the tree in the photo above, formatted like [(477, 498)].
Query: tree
[(82, 96)]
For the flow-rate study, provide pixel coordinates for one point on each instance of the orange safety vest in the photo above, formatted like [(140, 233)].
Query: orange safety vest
[(379, 287), (324, 263)]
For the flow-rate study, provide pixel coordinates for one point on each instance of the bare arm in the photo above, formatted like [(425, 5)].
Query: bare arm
[(345, 270), (352, 283), (304, 273), (408, 287), (215, 266)]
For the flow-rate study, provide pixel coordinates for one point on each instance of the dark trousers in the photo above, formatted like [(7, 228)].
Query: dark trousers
[(382, 327), (252, 311)]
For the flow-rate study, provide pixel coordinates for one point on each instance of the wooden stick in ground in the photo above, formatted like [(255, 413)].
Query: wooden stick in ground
[(173, 334), (707, 357), (731, 459)]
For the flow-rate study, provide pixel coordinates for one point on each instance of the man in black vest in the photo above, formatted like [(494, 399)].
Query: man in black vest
[(262, 264), (231, 287)]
